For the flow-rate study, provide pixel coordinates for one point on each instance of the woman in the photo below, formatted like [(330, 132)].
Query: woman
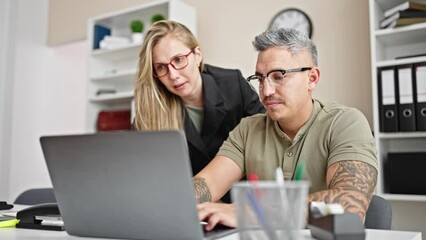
[(175, 90)]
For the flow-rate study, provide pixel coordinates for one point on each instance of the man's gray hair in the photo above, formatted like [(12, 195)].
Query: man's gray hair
[(294, 40)]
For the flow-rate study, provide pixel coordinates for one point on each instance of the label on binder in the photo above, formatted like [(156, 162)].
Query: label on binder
[(421, 83), (388, 87), (405, 86)]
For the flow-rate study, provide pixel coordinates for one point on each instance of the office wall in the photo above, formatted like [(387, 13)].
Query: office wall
[(68, 19), (6, 40), (46, 96)]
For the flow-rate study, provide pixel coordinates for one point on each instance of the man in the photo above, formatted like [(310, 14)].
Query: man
[(333, 142)]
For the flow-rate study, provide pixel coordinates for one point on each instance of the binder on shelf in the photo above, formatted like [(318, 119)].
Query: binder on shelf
[(113, 120), (409, 21), (405, 21), (411, 56), (405, 100), (407, 14), (99, 32), (420, 95), (405, 6), (388, 110), (404, 173)]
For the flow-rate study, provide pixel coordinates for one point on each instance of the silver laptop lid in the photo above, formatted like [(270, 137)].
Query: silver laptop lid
[(124, 185)]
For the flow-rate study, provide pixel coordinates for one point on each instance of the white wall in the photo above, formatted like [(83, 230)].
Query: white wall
[(7, 9), (48, 96)]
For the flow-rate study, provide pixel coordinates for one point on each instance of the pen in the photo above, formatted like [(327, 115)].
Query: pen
[(299, 172), (279, 176), (284, 205), (254, 196), (256, 207), (253, 178)]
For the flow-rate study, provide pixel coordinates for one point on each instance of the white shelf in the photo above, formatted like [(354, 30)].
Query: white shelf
[(406, 35), (401, 61), (128, 51), (402, 135), (119, 76), (404, 197), (386, 46), (113, 97)]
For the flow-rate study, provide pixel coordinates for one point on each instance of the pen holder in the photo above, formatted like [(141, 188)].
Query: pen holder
[(268, 210)]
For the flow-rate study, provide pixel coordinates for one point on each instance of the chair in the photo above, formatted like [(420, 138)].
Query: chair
[(379, 214), (36, 196)]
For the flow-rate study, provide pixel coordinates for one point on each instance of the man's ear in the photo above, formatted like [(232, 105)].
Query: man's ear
[(314, 77)]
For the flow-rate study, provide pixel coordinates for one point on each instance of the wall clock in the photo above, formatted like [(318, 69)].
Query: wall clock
[(292, 18)]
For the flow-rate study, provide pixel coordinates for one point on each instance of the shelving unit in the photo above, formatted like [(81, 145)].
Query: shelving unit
[(386, 45), (115, 69)]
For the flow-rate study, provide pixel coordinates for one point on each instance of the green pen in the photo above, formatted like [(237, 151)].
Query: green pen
[(299, 172)]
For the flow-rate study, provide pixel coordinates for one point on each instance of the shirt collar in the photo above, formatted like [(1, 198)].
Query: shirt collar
[(316, 109)]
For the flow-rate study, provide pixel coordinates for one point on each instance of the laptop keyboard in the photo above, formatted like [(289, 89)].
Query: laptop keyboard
[(218, 231)]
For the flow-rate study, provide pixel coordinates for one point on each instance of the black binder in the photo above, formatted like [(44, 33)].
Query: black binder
[(405, 100), (420, 95), (387, 99), (404, 173)]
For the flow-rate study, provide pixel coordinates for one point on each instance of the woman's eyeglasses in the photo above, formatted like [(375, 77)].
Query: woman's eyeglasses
[(179, 62)]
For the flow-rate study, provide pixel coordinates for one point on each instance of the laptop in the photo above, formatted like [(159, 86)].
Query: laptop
[(131, 185)]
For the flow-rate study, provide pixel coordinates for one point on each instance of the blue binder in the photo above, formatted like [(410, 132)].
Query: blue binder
[(99, 32)]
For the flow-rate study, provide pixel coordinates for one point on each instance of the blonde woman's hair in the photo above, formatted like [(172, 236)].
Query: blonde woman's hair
[(155, 107)]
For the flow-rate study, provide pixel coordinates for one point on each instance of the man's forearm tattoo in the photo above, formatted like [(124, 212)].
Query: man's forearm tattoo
[(352, 185), (202, 192)]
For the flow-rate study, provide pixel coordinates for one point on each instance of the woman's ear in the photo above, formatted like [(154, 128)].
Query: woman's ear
[(314, 77), (198, 55)]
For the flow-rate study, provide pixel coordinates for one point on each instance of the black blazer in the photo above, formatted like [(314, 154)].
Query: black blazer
[(228, 98)]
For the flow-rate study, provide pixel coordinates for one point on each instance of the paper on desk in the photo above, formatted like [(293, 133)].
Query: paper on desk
[(322, 209), (9, 213), (50, 220)]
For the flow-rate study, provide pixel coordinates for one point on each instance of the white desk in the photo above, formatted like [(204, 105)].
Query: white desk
[(27, 234), (21, 234)]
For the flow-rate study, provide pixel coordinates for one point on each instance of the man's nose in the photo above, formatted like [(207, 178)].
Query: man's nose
[(268, 89)]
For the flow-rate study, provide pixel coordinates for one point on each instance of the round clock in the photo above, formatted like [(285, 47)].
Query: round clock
[(292, 18)]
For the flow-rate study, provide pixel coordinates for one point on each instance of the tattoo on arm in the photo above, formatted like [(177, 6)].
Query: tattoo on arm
[(202, 192), (352, 185)]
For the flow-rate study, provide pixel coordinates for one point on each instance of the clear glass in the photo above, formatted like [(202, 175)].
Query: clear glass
[(179, 62)]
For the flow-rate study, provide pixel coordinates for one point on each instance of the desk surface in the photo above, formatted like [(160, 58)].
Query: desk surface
[(19, 234)]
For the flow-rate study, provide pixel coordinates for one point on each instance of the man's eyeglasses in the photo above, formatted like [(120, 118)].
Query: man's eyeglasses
[(275, 77), (179, 62)]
